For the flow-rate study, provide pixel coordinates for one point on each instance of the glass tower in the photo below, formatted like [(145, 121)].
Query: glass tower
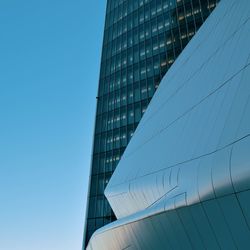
[(142, 39)]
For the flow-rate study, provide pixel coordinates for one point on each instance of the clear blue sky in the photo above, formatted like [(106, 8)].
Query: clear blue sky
[(49, 69)]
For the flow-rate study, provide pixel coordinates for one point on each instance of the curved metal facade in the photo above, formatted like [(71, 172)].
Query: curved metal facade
[(142, 39), (184, 180)]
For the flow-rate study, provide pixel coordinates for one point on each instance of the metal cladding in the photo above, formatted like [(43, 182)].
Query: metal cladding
[(184, 179)]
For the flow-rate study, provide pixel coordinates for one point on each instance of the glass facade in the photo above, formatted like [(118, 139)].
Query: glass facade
[(142, 39)]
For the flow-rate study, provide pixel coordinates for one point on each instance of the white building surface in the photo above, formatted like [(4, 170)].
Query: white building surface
[(184, 179)]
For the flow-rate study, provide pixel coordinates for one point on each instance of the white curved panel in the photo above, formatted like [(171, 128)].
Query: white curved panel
[(196, 111), (189, 157)]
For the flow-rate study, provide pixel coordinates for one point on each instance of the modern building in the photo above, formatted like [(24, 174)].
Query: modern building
[(142, 39), (183, 181)]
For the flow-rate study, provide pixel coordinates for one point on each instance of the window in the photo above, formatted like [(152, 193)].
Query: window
[(143, 89), (137, 112), (130, 114)]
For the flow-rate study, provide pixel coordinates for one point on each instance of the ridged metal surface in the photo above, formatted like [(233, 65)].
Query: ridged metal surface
[(184, 179)]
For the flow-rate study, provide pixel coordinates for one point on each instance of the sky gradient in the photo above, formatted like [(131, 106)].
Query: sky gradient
[(49, 69)]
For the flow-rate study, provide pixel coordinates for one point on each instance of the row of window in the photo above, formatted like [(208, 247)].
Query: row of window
[(117, 10), (119, 138), (119, 135), (99, 207), (152, 55), (121, 117), (126, 95), (163, 21), (146, 9), (146, 69), (98, 183), (107, 161), (115, 44)]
